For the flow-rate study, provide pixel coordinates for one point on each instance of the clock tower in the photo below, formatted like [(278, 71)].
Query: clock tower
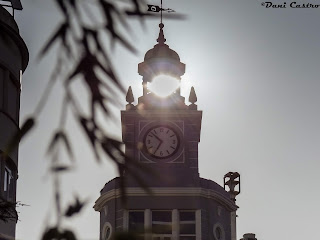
[(163, 132), (161, 136)]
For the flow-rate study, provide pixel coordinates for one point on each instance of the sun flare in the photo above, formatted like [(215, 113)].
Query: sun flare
[(163, 85)]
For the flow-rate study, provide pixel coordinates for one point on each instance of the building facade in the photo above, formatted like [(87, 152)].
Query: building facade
[(161, 137), (13, 61)]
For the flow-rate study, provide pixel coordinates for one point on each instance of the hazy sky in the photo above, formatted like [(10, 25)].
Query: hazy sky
[(256, 74)]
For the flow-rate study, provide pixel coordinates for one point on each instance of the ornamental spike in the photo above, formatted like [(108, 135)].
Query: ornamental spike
[(193, 96), (129, 96)]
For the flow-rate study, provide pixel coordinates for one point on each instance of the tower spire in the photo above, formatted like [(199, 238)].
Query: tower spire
[(161, 10), (161, 39), (153, 8)]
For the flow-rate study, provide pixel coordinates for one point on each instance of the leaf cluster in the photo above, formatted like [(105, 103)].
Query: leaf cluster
[(8, 211), (81, 47), (57, 234), (83, 56)]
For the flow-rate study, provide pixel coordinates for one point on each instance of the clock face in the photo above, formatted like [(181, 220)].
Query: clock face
[(161, 142)]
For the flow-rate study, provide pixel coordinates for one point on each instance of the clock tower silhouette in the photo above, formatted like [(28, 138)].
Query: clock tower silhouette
[(166, 199)]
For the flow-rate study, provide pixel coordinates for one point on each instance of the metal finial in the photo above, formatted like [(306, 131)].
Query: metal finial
[(161, 39)]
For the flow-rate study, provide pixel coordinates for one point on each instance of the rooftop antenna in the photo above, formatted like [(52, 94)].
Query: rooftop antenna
[(161, 11)]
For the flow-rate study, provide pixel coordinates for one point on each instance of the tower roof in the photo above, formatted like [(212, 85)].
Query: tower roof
[(161, 50), (161, 59)]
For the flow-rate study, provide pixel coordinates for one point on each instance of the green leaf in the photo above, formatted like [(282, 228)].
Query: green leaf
[(55, 234), (8, 210), (60, 135), (126, 236), (60, 33), (74, 208), (68, 235), (26, 127), (66, 142), (51, 234), (60, 168)]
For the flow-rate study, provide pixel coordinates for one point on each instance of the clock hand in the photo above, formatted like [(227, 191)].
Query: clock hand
[(161, 141), (158, 146)]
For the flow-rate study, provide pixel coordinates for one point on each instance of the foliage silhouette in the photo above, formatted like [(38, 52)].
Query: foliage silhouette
[(88, 56), (80, 46), (8, 210)]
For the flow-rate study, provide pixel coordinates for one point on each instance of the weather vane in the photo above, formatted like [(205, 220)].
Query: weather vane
[(155, 8)]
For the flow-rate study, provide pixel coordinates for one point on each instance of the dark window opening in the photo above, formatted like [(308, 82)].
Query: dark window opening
[(136, 221), (8, 184)]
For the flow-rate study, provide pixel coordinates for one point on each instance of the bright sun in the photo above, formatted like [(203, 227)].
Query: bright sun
[(163, 85)]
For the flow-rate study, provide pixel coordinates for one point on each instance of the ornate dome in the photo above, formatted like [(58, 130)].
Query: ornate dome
[(161, 51), (161, 60)]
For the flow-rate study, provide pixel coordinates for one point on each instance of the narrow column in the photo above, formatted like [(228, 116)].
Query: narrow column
[(175, 224), (233, 226), (125, 220), (147, 224), (144, 87), (198, 224)]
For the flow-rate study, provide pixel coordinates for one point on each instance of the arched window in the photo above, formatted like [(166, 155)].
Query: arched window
[(107, 231), (218, 232)]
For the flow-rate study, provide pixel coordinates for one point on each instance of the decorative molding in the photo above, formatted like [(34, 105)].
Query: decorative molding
[(163, 114), (179, 159), (166, 192), (105, 208)]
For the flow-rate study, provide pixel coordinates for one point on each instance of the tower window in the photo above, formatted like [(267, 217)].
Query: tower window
[(162, 222), (8, 184), (9, 95), (218, 232), (107, 231), (187, 225), (107, 234), (1, 87), (12, 106), (136, 221)]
